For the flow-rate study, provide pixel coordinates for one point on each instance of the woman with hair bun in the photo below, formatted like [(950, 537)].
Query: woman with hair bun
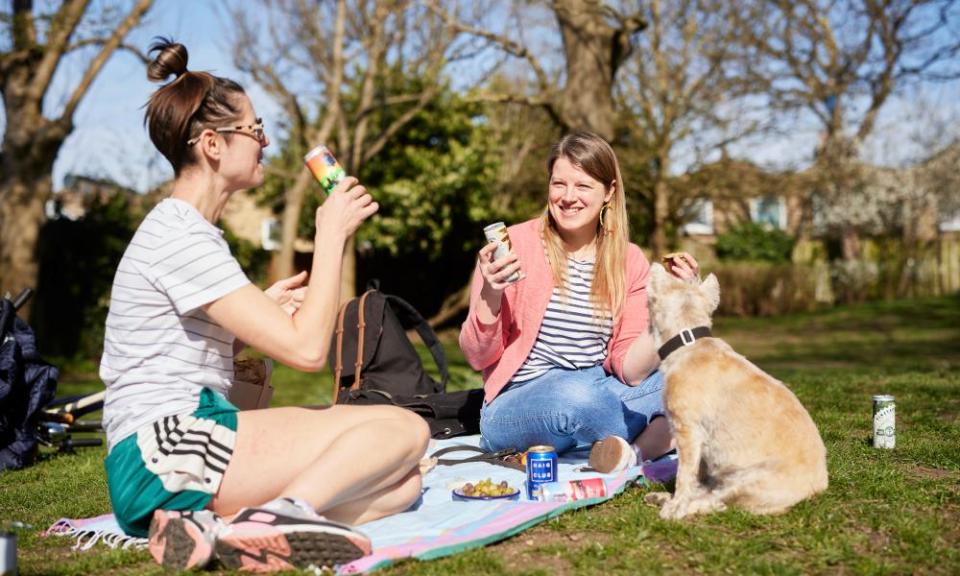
[(185, 466)]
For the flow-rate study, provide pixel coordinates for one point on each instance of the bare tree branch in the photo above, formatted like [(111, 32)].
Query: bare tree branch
[(133, 17)]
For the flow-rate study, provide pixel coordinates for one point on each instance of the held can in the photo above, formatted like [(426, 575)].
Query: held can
[(541, 467), (8, 553), (497, 234), (324, 168), (884, 421), (583, 489)]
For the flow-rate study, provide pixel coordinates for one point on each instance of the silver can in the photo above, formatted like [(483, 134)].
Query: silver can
[(884, 421), (497, 234), (8, 553)]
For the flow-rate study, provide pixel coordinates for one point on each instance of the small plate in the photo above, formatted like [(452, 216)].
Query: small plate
[(459, 495)]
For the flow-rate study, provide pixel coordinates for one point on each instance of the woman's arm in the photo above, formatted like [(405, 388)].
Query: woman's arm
[(481, 336), (301, 340)]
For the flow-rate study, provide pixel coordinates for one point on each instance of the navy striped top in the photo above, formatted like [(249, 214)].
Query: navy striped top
[(573, 334)]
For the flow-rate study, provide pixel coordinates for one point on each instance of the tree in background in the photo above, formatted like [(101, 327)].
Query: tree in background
[(683, 88), (32, 46), (596, 38), (331, 66), (841, 62)]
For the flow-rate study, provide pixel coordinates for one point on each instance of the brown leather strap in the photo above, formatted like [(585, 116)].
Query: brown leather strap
[(361, 325), (338, 367)]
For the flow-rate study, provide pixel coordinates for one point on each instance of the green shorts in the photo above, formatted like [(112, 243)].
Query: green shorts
[(175, 463)]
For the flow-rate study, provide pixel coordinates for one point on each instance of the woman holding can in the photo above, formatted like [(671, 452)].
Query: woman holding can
[(184, 465), (566, 353)]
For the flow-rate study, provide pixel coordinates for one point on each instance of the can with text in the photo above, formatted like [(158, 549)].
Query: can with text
[(541, 467), (496, 233), (324, 168), (884, 421)]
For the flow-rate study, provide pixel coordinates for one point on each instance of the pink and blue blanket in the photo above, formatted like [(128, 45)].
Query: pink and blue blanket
[(437, 525)]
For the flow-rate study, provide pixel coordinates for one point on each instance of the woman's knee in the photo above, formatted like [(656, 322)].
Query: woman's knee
[(415, 431)]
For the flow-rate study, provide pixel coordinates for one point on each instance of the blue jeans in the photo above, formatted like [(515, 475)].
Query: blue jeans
[(569, 408)]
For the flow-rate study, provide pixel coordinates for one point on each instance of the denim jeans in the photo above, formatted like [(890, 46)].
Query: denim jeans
[(569, 408)]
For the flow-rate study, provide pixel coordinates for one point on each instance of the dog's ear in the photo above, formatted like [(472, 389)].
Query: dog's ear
[(710, 288), (657, 276)]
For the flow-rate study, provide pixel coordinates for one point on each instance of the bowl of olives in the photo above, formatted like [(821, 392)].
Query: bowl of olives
[(486, 489)]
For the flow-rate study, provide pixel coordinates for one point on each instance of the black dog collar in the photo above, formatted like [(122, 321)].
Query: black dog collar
[(686, 337)]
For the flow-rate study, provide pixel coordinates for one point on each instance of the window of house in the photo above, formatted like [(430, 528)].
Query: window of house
[(769, 210), (950, 222), (699, 217)]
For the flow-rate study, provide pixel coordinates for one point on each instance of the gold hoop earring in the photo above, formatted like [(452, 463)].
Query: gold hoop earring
[(603, 209)]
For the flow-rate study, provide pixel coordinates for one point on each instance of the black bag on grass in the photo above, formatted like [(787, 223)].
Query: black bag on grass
[(27, 385), (374, 362)]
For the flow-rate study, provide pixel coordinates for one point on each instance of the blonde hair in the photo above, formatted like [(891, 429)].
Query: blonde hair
[(593, 155)]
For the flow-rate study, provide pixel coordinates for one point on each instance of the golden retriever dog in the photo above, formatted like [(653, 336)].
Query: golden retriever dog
[(742, 437)]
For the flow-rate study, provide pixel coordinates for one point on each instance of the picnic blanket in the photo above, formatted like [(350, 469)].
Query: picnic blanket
[(436, 525)]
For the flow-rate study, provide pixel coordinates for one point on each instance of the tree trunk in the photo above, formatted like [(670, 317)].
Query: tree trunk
[(661, 214), (30, 146), (281, 264), (21, 215), (594, 51)]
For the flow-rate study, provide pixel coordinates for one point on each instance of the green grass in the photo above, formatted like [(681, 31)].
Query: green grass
[(886, 512)]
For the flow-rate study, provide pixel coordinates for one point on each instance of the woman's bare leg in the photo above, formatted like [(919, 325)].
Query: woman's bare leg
[(390, 500), (329, 458)]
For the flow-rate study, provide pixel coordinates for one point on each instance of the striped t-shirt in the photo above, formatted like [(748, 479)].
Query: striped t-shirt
[(573, 335), (160, 348)]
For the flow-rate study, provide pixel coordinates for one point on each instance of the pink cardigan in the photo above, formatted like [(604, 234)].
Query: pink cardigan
[(499, 349)]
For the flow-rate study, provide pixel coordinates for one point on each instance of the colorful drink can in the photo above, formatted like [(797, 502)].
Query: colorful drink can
[(497, 234), (884, 421), (583, 489), (541, 467), (8, 553), (324, 167)]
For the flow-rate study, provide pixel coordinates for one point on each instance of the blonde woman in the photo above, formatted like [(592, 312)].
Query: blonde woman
[(566, 353)]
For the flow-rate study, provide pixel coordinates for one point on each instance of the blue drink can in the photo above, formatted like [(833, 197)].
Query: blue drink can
[(541, 468)]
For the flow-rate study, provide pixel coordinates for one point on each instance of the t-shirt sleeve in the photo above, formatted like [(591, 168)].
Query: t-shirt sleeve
[(196, 269)]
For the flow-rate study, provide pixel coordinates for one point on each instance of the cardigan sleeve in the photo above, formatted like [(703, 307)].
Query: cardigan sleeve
[(635, 319), (482, 344)]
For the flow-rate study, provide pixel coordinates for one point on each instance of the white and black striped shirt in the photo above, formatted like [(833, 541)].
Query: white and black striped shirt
[(574, 334), (160, 348)]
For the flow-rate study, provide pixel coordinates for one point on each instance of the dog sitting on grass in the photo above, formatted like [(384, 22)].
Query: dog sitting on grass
[(742, 437)]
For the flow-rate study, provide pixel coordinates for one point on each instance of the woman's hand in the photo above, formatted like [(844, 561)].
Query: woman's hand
[(289, 292), (496, 272), (345, 209), (683, 266)]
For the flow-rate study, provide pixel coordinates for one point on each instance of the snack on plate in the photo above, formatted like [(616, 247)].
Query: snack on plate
[(487, 488)]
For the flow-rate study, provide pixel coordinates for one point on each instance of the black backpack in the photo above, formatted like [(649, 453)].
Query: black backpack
[(373, 362)]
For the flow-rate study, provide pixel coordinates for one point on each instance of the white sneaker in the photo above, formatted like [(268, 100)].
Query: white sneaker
[(612, 454), (284, 534)]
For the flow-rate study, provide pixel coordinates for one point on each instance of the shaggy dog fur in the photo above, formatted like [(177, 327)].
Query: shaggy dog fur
[(742, 437)]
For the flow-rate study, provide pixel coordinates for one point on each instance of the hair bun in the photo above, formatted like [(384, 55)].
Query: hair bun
[(172, 59)]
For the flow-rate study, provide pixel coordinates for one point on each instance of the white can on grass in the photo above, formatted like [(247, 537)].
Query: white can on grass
[(884, 421)]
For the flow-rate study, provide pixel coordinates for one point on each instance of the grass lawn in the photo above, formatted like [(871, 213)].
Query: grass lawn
[(886, 512)]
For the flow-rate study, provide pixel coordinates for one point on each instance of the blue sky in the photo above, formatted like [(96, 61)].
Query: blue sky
[(110, 140)]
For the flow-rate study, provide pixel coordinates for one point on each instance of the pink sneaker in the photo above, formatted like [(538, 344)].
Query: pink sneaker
[(183, 540), (284, 534)]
